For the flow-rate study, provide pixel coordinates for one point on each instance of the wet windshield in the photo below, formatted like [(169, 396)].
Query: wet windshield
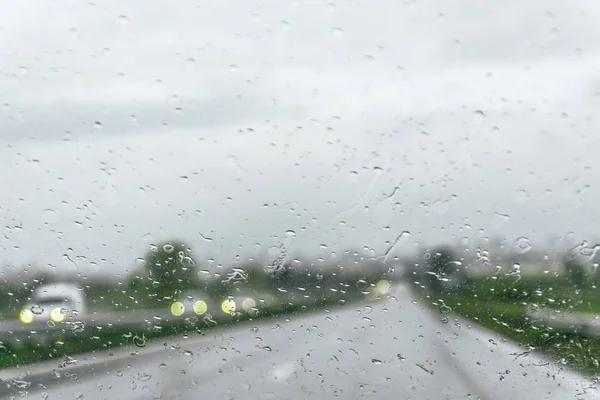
[(50, 300), (287, 199)]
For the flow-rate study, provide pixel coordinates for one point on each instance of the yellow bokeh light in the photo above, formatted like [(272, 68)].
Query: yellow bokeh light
[(26, 316), (228, 306), (177, 309), (200, 307), (383, 287), (248, 304), (57, 315)]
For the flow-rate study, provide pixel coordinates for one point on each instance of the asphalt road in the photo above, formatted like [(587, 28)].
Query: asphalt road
[(393, 348)]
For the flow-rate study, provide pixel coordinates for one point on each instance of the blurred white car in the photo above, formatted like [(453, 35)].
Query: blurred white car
[(55, 302)]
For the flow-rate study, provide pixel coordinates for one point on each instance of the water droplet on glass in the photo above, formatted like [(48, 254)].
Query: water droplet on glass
[(49, 216), (98, 124), (168, 248), (500, 219), (142, 376), (123, 19), (140, 341), (338, 31), (290, 233), (376, 361), (522, 245), (37, 310), (521, 196), (478, 116)]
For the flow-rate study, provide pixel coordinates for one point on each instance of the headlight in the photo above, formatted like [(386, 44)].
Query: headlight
[(177, 309), (200, 307), (26, 316), (228, 306), (57, 315), (248, 304), (382, 287)]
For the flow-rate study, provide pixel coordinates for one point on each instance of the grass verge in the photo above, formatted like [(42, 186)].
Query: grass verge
[(500, 306)]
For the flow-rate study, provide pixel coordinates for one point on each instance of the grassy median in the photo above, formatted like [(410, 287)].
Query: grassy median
[(499, 304)]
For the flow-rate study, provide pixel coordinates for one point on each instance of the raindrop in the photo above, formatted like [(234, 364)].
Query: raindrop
[(521, 196), (140, 341), (142, 376), (290, 233), (20, 384), (267, 348), (49, 216), (205, 238), (584, 252), (522, 245), (188, 353), (478, 116), (140, 262), (444, 309), (123, 19), (376, 361), (36, 309), (119, 373), (98, 124), (501, 219), (168, 248), (337, 31)]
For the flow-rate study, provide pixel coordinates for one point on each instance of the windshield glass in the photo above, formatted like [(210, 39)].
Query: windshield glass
[(300, 199), (51, 300)]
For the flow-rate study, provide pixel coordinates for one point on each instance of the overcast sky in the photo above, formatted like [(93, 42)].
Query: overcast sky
[(228, 123)]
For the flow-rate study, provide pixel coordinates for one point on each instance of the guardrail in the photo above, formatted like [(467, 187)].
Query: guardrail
[(585, 324)]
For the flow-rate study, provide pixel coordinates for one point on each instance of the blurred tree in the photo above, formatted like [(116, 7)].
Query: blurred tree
[(574, 270), (170, 269)]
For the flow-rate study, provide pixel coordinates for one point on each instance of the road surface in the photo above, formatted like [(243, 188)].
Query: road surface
[(394, 348)]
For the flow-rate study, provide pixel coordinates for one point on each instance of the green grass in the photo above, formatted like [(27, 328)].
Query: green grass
[(500, 306)]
